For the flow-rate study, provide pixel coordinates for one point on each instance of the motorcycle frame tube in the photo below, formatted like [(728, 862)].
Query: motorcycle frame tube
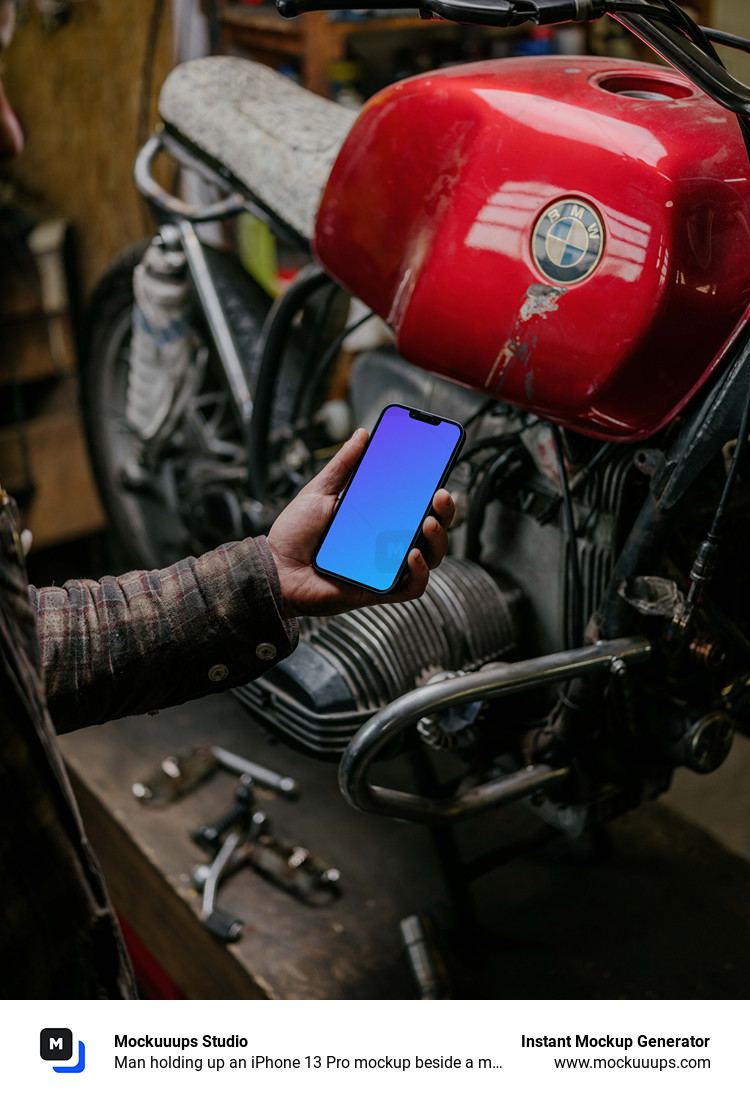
[(714, 419), (241, 200), (231, 364), (490, 683), (229, 207), (273, 340)]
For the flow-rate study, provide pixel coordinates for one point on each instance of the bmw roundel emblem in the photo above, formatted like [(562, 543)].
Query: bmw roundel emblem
[(568, 241)]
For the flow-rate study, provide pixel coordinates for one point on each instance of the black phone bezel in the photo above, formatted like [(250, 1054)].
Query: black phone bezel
[(417, 414)]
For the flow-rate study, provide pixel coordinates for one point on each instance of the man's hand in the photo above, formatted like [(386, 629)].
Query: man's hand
[(295, 535)]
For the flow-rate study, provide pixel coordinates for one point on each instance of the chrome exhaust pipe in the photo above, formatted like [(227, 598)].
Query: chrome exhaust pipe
[(487, 683)]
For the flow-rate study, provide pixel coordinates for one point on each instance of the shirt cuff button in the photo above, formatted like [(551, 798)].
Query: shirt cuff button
[(218, 673), (265, 651)]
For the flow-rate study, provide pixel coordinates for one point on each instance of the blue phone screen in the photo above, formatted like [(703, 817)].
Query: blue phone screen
[(387, 498)]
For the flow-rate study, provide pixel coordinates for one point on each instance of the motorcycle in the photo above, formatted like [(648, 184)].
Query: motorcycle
[(558, 247)]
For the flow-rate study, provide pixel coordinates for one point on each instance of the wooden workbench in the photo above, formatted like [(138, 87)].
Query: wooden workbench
[(349, 948), (665, 916)]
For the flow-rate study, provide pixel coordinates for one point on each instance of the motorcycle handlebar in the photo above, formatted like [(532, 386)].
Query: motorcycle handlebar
[(692, 62), (650, 26), (493, 13)]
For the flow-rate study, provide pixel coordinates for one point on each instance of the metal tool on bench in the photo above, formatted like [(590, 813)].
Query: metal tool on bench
[(243, 836), (180, 772), (294, 868), (223, 838), (424, 959)]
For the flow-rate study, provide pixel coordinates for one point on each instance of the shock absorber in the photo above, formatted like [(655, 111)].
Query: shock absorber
[(163, 346)]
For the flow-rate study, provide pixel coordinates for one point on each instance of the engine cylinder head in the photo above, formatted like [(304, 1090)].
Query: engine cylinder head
[(348, 667)]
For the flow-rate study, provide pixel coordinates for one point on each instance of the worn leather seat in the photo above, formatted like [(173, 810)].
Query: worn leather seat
[(276, 138)]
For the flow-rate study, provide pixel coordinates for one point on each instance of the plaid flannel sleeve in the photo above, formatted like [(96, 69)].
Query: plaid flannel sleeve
[(147, 640)]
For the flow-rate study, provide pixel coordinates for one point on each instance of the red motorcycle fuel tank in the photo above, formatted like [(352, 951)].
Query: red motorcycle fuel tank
[(568, 234)]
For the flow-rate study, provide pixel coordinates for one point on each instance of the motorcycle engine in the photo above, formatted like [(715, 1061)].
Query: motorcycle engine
[(508, 591), (515, 603), (347, 668)]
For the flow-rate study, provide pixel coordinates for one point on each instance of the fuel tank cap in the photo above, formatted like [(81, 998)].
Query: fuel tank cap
[(644, 84)]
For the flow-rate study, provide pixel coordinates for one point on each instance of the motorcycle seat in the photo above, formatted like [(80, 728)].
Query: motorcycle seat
[(277, 139)]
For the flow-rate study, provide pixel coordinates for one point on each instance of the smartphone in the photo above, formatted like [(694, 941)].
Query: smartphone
[(380, 514)]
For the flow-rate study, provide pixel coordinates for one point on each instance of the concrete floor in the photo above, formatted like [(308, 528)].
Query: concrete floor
[(720, 802)]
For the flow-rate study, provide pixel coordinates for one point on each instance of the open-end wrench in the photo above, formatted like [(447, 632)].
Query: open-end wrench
[(284, 784), (243, 824), (180, 772)]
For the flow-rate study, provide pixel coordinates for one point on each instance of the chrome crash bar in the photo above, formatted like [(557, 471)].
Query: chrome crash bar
[(487, 683)]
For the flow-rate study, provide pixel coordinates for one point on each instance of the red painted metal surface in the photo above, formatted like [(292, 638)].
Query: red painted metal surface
[(450, 182)]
